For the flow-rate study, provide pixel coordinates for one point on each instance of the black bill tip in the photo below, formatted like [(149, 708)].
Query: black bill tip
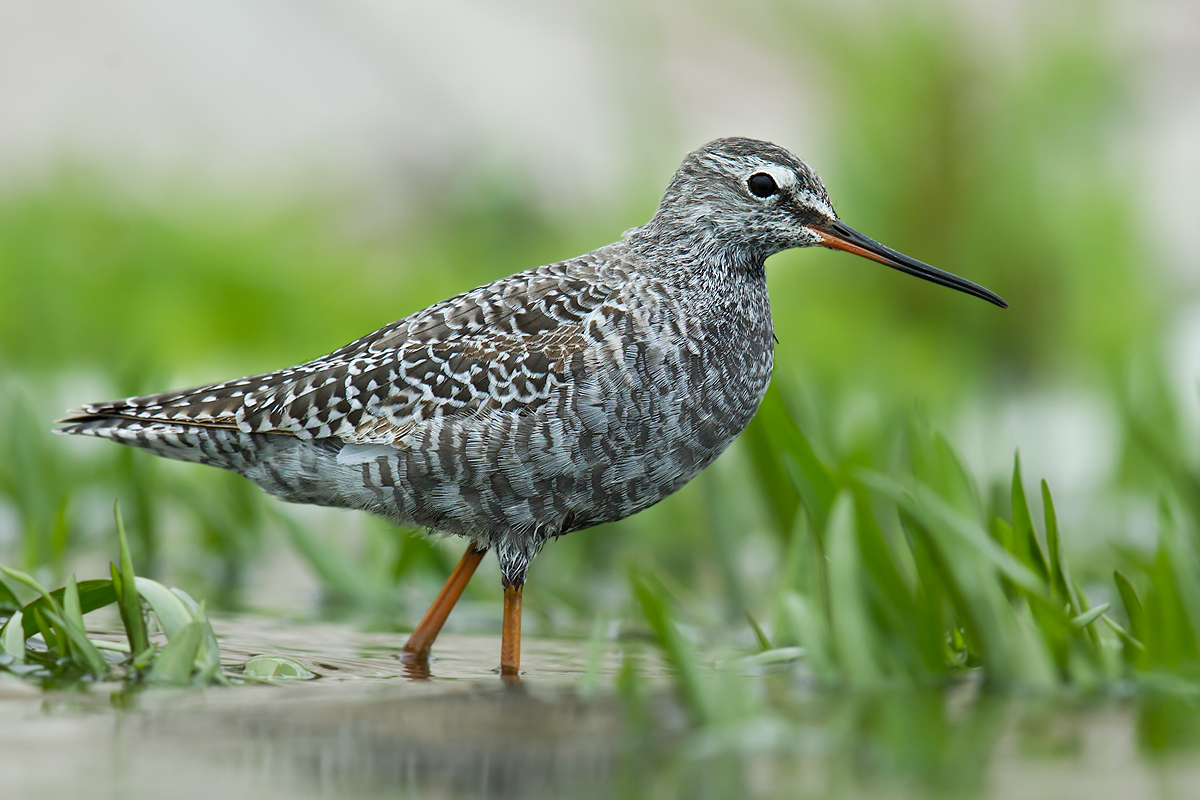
[(839, 236)]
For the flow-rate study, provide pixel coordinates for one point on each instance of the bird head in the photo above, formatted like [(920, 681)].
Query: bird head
[(756, 198)]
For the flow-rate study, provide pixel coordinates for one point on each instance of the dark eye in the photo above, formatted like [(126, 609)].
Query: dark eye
[(762, 185)]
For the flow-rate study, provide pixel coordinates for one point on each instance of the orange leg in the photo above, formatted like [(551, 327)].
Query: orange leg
[(418, 645), (510, 637)]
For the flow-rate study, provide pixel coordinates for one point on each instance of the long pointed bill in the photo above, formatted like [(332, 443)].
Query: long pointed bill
[(839, 236)]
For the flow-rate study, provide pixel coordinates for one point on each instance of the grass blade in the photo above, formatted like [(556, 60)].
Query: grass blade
[(172, 613), (675, 648), (1060, 577), (1090, 616), (126, 590), (12, 638), (72, 612), (83, 652), (812, 632), (764, 643), (8, 600), (93, 594), (55, 638), (31, 582), (1025, 542), (176, 661), (851, 623), (1134, 610), (1123, 634)]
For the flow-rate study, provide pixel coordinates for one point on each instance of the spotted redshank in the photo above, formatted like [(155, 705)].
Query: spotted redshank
[(543, 403)]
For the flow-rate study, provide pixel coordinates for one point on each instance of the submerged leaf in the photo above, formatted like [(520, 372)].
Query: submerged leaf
[(277, 668)]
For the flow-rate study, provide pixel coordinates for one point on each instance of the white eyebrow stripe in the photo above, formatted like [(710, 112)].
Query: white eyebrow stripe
[(784, 177)]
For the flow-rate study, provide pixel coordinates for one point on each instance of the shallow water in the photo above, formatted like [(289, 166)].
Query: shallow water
[(365, 728)]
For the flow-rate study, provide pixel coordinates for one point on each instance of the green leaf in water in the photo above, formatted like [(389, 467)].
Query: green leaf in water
[(176, 661), (780, 655), (31, 582), (83, 653), (144, 658), (12, 638), (55, 637), (72, 612), (172, 612), (277, 668), (93, 594)]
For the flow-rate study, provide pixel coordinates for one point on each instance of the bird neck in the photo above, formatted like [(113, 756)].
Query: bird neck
[(674, 247)]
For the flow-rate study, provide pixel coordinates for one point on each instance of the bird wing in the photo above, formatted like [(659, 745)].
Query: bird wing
[(507, 346)]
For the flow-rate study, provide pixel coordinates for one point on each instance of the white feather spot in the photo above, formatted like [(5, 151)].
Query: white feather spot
[(364, 453)]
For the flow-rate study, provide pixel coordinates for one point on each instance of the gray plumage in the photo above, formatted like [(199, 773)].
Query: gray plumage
[(543, 403)]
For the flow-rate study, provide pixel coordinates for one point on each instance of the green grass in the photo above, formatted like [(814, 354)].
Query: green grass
[(917, 634), (46, 639), (910, 576)]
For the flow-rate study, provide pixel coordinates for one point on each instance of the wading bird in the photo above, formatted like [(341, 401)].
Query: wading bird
[(543, 403)]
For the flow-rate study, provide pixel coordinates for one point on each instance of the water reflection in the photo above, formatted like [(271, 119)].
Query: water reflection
[(485, 741), (363, 730)]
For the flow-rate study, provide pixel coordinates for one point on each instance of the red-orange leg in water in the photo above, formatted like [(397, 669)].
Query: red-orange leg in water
[(510, 637), (418, 645)]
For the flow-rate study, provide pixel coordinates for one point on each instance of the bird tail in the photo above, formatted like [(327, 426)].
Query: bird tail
[(220, 447)]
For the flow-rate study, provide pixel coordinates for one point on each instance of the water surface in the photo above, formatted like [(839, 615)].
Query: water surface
[(367, 728)]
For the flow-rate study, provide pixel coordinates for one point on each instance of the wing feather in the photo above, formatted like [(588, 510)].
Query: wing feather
[(508, 346)]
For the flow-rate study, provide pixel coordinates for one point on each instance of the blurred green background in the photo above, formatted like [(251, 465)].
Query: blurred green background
[(1008, 146)]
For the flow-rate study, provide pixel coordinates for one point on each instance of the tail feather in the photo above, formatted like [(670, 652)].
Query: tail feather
[(221, 447), (285, 466)]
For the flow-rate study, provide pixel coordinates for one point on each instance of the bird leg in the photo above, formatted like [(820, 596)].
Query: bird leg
[(419, 643), (510, 637)]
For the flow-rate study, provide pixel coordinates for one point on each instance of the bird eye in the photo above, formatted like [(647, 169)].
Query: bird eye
[(762, 185)]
